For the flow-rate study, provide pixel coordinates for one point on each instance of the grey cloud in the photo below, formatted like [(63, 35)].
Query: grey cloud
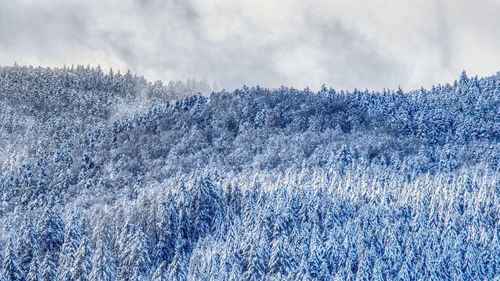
[(351, 59), (442, 37), (248, 42)]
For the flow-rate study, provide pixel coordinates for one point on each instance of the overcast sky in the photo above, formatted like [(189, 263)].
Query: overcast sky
[(344, 44)]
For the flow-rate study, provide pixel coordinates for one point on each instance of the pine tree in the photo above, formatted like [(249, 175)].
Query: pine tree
[(205, 206), (364, 267), (72, 240), (11, 267), (378, 272), (136, 262), (34, 273), (324, 274), (167, 236), (2, 252), (300, 273), (123, 241), (233, 200), (280, 260), (235, 273), (27, 245), (49, 270), (52, 234), (103, 264), (256, 269), (333, 250), (393, 255), (404, 273), (161, 273), (342, 274), (470, 267), (102, 233), (317, 254), (176, 269), (82, 264), (184, 231)]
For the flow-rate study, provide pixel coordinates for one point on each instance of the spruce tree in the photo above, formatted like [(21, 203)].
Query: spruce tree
[(364, 267), (470, 267), (136, 261), (27, 245), (11, 267), (49, 269), (72, 240), (256, 269), (103, 264), (167, 234), (176, 269), (161, 273), (52, 234), (82, 264), (205, 207), (235, 273), (34, 273), (280, 260)]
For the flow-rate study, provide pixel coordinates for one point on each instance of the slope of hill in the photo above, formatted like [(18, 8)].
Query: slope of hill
[(131, 181), (57, 105)]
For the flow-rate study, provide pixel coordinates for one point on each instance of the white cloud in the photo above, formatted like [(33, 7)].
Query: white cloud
[(345, 44)]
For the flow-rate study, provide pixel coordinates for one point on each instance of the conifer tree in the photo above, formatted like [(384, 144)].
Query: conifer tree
[(82, 264), (364, 267), (136, 261), (167, 236), (301, 271), (404, 272), (470, 268), (34, 273), (103, 264), (205, 206), (256, 269), (378, 271), (176, 269), (280, 260), (52, 234), (27, 245), (49, 269), (235, 273), (184, 231), (161, 273), (72, 241), (11, 267)]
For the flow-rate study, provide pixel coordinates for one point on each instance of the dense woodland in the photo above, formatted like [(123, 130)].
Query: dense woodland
[(111, 177)]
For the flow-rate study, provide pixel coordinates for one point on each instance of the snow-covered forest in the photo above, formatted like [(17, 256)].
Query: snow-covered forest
[(106, 176)]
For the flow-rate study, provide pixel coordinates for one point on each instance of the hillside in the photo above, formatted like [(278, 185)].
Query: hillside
[(111, 177)]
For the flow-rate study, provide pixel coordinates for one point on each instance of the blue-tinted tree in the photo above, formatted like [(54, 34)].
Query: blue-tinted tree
[(167, 234), (72, 241), (51, 234), (136, 262), (27, 245), (205, 207), (280, 261), (34, 273), (176, 269), (82, 265), (103, 264), (161, 273), (49, 268), (11, 267)]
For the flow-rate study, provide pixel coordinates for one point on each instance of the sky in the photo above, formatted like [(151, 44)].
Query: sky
[(344, 44)]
